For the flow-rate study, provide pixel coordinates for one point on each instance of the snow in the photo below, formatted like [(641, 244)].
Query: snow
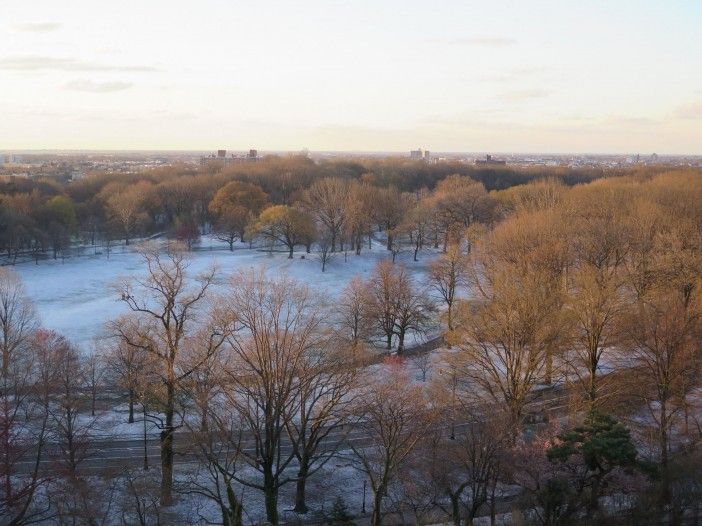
[(74, 296)]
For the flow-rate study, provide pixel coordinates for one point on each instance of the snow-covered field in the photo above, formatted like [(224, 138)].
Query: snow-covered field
[(74, 297)]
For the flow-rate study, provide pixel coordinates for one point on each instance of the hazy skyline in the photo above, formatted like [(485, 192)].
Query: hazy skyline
[(601, 77)]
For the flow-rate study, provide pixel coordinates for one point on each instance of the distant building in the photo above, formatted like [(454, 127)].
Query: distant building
[(489, 161), (10, 158), (419, 154), (221, 157)]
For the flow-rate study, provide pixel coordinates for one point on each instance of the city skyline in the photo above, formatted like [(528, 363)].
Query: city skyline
[(618, 77)]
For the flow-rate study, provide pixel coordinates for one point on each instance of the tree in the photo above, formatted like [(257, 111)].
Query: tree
[(23, 418), (505, 339), (459, 202), (466, 467), (595, 282), (326, 393), (339, 514), (353, 321), (285, 225), (389, 209), (58, 219), (447, 275), (326, 254), (326, 200), (95, 369), (594, 450), (412, 306), (66, 401), (660, 334), (166, 306), (124, 206), (17, 318), (279, 331), (392, 414), (234, 206), (381, 300), (127, 365), (219, 453), (359, 215)]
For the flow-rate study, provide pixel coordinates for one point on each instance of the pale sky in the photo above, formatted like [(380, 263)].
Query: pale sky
[(609, 76)]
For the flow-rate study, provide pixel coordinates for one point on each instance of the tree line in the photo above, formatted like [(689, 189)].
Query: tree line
[(45, 217)]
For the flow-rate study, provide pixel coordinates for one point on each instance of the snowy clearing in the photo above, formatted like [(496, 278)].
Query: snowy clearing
[(74, 296)]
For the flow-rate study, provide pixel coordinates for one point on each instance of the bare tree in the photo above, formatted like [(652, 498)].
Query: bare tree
[(126, 367), (326, 199), (447, 275), (23, 418), (279, 324), (327, 381), (124, 205), (95, 371), (381, 301), (166, 308), (412, 305), (506, 338), (353, 320), (68, 399), (466, 467), (660, 333), (394, 419), (395, 305), (325, 254), (17, 318), (219, 454)]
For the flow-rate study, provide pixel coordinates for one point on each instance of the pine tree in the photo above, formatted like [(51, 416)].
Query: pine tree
[(339, 514)]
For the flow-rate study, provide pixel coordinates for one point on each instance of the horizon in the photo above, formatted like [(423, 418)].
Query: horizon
[(538, 78), (304, 151)]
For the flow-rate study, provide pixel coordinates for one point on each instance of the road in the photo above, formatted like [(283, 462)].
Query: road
[(118, 453)]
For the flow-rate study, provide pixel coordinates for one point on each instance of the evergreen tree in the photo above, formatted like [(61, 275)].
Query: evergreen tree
[(339, 514)]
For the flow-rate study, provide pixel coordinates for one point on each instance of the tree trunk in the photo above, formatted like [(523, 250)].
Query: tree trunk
[(271, 497), (377, 517), (663, 433), (167, 449), (455, 509), (300, 504), (592, 388), (130, 420), (290, 253), (389, 342), (401, 342), (231, 515)]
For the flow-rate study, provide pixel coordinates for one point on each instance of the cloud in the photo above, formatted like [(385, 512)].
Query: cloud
[(689, 111), (37, 27), (525, 94), (478, 41), (40, 63), (96, 87), (630, 121)]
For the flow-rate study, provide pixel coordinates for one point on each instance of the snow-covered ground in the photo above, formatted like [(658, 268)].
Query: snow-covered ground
[(74, 296)]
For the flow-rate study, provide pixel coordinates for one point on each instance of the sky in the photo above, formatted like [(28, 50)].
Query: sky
[(556, 76)]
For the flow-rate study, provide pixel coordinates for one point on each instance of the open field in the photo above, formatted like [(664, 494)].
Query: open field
[(75, 298)]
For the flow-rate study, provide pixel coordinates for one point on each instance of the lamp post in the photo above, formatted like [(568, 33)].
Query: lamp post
[(146, 451)]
